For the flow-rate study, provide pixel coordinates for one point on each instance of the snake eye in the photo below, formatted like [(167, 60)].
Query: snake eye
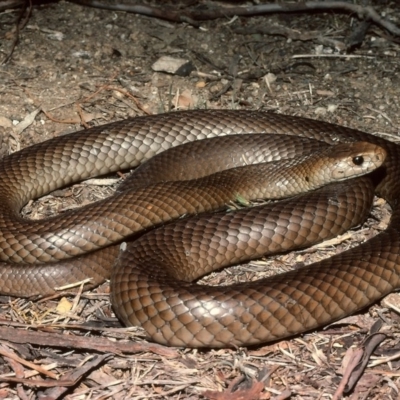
[(358, 160)]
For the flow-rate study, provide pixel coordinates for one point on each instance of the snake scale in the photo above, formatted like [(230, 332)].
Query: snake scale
[(172, 310)]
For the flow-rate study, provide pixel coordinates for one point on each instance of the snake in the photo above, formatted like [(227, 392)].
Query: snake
[(37, 257)]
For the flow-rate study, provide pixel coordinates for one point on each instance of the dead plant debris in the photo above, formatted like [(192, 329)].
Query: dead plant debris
[(75, 66)]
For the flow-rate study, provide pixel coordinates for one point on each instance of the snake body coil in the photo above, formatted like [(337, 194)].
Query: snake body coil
[(175, 312)]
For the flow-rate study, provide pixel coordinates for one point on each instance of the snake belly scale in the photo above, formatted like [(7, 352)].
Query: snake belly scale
[(173, 312)]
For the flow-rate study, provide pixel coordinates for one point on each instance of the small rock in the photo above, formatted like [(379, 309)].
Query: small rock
[(320, 111), (201, 84), (332, 107), (175, 66), (269, 78)]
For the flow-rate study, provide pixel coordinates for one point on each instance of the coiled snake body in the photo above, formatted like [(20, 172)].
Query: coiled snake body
[(172, 311)]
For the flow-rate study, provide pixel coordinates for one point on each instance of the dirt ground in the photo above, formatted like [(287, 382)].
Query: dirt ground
[(74, 67)]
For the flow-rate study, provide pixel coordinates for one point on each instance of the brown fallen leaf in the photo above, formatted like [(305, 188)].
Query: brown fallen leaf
[(356, 360), (251, 393)]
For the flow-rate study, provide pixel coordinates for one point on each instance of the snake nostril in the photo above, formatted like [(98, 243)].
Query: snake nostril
[(358, 160)]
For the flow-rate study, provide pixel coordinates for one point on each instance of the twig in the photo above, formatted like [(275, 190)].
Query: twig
[(79, 342), (192, 15), (18, 26), (10, 4), (8, 353)]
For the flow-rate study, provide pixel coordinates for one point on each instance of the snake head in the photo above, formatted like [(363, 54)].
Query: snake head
[(355, 159)]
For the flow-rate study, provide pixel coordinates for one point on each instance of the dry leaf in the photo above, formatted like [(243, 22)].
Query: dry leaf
[(64, 306)]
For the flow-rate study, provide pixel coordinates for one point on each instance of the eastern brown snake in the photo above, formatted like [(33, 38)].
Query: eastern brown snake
[(176, 312)]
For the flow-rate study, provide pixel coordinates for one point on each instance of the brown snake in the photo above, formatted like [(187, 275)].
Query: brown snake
[(176, 312)]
